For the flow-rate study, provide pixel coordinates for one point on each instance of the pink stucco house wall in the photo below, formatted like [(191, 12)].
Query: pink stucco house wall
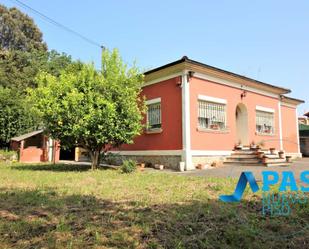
[(198, 113)]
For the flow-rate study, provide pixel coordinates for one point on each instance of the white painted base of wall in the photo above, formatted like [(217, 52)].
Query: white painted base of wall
[(148, 152), (169, 157), (294, 155)]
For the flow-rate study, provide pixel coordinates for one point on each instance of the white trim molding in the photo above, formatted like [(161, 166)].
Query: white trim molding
[(215, 80), (234, 84), (212, 99), (294, 154), (171, 152), (153, 101), (264, 109), (158, 80), (280, 125), (148, 152), (288, 105), (211, 152), (186, 131)]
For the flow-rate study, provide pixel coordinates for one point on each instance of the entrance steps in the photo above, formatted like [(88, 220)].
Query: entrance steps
[(246, 156)]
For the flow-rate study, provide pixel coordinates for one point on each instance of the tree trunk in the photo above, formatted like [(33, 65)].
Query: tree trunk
[(95, 159)]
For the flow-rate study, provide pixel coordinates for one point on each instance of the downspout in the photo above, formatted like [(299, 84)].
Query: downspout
[(186, 131), (297, 133), (280, 123)]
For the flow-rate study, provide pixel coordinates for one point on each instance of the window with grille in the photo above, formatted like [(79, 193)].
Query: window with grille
[(264, 122), (211, 115), (154, 116)]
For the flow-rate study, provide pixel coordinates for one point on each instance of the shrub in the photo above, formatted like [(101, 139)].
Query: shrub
[(128, 166), (109, 158), (8, 155)]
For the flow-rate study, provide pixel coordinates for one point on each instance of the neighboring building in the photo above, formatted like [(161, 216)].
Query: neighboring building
[(304, 134), (197, 113), (304, 119), (36, 147)]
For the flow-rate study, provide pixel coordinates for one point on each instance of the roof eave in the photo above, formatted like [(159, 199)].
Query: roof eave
[(291, 100), (27, 135), (187, 61)]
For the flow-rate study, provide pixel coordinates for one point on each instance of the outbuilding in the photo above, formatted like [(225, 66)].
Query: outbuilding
[(35, 146)]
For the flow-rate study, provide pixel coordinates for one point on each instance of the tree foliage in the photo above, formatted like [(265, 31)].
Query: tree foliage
[(96, 110), (18, 69), (22, 55), (19, 32), (14, 115)]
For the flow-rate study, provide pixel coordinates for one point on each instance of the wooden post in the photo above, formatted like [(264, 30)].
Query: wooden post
[(45, 152), (22, 143), (77, 154), (54, 151)]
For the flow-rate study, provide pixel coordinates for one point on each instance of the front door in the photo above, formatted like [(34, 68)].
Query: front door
[(242, 131)]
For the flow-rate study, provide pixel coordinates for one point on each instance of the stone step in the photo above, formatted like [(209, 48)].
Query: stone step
[(244, 152), (277, 164), (275, 160), (239, 159), (272, 156), (243, 156), (242, 164), (256, 161), (248, 157)]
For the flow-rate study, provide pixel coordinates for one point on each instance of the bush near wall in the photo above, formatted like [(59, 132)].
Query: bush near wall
[(8, 156)]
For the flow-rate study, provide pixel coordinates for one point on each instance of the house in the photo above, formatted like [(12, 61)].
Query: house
[(304, 139), (35, 147), (197, 113)]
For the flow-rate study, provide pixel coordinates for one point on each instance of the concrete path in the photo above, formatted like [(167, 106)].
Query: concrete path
[(235, 171)]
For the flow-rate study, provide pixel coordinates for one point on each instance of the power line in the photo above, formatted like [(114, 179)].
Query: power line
[(59, 25)]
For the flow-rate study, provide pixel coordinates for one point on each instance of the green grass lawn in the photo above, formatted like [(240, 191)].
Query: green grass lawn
[(62, 206)]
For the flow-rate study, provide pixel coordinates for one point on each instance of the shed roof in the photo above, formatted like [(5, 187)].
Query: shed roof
[(27, 135)]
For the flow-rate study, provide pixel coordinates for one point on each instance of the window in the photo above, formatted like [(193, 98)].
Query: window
[(264, 122), (211, 115), (154, 115)]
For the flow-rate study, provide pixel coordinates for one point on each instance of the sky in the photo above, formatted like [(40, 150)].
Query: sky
[(267, 40)]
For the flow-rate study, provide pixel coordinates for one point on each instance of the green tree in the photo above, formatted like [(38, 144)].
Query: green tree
[(22, 55), (56, 62), (14, 115), (17, 73), (96, 110), (19, 32), (22, 50), (18, 69)]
